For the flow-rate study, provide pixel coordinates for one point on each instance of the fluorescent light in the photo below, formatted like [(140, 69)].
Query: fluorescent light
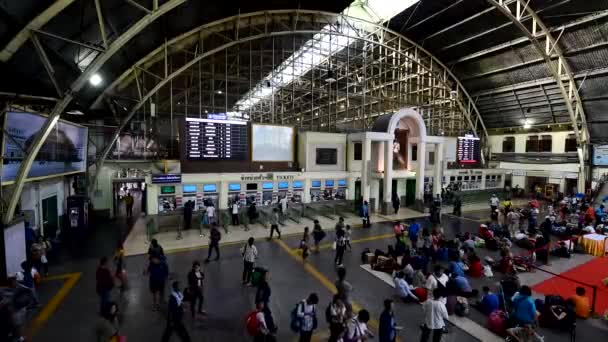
[(95, 80), (323, 45), (527, 124), (74, 112)]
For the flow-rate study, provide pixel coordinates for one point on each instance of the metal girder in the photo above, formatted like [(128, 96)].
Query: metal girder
[(20, 38), (430, 72), (76, 86), (506, 45), (570, 94), (139, 6), (102, 26), (46, 63)]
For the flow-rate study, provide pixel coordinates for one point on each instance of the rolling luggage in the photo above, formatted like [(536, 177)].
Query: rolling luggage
[(497, 322)]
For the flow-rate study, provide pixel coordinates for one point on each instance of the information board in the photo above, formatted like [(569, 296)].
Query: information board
[(468, 149), (600, 155), (212, 139)]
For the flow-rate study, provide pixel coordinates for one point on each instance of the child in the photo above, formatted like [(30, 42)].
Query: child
[(347, 234), (304, 244)]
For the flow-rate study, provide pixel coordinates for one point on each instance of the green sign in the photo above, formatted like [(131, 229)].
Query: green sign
[(167, 189)]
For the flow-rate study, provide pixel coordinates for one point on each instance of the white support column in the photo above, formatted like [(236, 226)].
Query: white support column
[(306, 195), (420, 170), (388, 177), (223, 200), (365, 171), (438, 174)]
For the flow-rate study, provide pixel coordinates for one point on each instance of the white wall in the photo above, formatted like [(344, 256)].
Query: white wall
[(308, 142), (34, 192), (558, 141)]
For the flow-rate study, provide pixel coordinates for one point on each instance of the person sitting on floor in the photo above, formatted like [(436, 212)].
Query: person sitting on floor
[(581, 303), (524, 309), (475, 267), (456, 267), (461, 286), (505, 264), (419, 279), (488, 302), (404, 290)]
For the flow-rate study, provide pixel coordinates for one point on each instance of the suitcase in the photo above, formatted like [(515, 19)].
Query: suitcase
[(497, 323)]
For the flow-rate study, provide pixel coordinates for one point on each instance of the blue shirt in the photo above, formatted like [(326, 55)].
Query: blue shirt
[(413, 231), (457, 268), (489, 303), (462, 284), (524, 309), (387, 331)]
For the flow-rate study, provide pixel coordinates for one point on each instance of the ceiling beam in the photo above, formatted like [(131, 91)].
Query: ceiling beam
[(35, 24)]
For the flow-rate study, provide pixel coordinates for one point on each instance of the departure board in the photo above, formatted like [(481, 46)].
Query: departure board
[(212, 139), (468, 149)]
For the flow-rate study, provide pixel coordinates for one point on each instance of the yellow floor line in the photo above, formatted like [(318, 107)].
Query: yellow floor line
[(321, 278), (47, 311), (366, 239)]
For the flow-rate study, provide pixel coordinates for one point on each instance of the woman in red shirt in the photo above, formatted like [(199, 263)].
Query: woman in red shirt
[(475, 267)]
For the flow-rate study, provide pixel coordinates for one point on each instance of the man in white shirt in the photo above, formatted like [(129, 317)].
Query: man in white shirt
[(434, 280), (494, 202), (249, 253), (211, 213), (235, 213), (435, 313), (283, 203)]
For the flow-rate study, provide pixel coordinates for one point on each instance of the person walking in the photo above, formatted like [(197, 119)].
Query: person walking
[(158, 273), (340, 247), (413, 231), (305, 244), (129, 204), (195, 287), (336, 318), (262, 333), (210, 213), (387, 331), (494, 203), (104, 281), (356, 328), (396, 203), (262, 295), (365, 214), (175, 316), (435, 314), (120, 270), (235, 212), (252, 213), (274, 223), (214, 243), (317, 234), (283, 204), (343, 288), (347, 237), (156, 250), (250, 254), (307, 313), (339, 224)]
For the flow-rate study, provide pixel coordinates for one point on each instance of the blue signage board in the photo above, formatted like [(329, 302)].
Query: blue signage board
[(166, 178)]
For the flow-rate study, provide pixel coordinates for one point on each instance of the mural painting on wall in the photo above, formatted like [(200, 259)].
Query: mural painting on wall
[(400, 150)]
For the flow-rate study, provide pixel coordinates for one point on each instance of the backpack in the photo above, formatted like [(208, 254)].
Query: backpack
[(251, 323), (356, 336), (296, 322)]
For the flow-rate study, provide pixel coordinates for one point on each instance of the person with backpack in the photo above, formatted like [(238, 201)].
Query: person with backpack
[(214, 243), (340, 247), (305, 318), (524, 309), (195, 288), (335, 315), (250, 254), (356, 328), (175, 316), (255, 324), (437, 281), (387, 331)]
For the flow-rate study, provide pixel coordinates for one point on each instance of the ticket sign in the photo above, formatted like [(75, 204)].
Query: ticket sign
[(468, 150), (213, 139), (167, 178)]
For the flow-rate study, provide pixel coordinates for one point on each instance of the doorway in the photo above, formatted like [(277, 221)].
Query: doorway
[(410, 192), (358, 198), (50, 218), (136, 188)]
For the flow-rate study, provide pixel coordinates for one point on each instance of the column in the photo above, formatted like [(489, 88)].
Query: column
[(223, 193), (420, 172), (306, 195), (580, 184), (438, 174), (365, 165), (388, 177)]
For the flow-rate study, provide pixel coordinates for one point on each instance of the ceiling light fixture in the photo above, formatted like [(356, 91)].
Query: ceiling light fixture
[(95, 80), (219, 92), (527, 124)]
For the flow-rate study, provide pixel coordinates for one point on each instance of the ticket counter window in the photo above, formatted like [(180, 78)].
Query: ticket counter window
[(210, 195), (283, 185), (252, 195), (297, 191), (234, 193), (267, 196), (328, 192), (315, 191)]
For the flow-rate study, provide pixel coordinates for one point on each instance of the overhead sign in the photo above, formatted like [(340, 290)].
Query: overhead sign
[(600, 155), (167, 178)]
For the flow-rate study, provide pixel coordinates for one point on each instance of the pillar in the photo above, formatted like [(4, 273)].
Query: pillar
[(438, 172), (420, 174), (223, 194), (306, 194), (388, 178), (365, 168), (580, 184)]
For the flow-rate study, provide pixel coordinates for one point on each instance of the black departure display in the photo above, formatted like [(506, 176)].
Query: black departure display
[(212, 139), (468, 149)]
